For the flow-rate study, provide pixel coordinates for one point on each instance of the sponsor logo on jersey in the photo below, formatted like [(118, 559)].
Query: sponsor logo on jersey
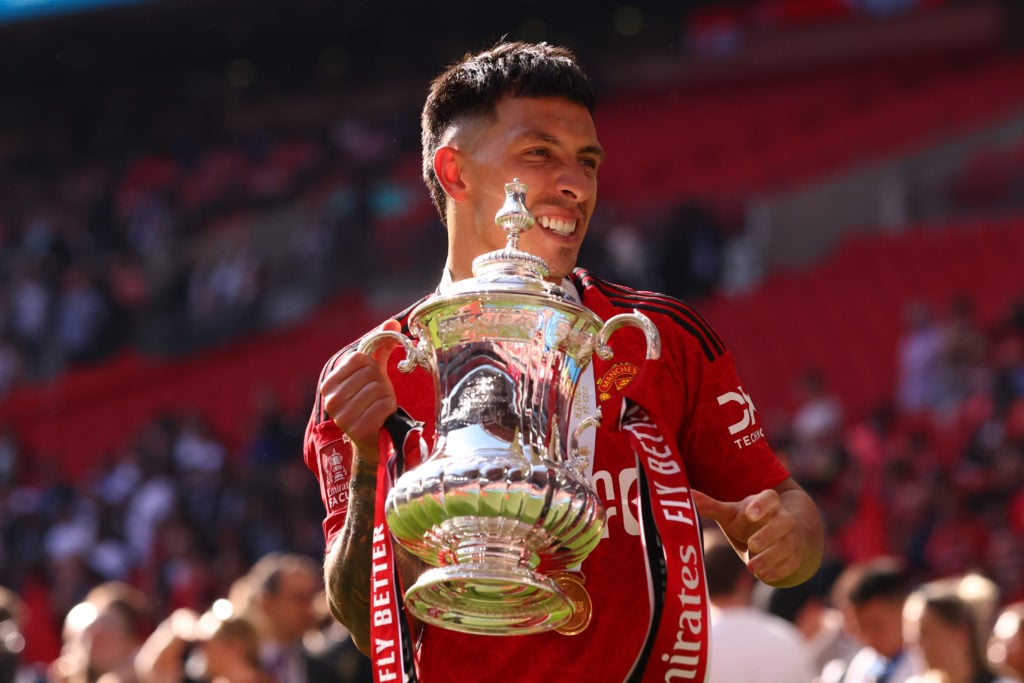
[(745, 430), (616, 377)]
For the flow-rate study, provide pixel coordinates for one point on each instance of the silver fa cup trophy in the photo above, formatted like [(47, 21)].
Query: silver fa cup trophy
[(501, 509)]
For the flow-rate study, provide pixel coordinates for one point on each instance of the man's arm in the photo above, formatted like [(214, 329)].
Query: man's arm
[(359, 397), (347, 564), (778, 532)]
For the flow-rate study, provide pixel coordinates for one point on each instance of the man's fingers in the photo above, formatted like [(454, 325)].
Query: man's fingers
[(712, 508), (763, 505)]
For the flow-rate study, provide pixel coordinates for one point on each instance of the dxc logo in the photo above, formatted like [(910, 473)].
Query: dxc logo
[(741, 397)]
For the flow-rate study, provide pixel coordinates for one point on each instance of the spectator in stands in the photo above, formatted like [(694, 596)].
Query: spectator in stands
[(1005, 651), (747, 643), (810, 610), (231, 650), (218, 645), (964, 354), (224, 287), (103, 635), (30, 306), (876, 596), (817, 456), (331, 645), (155, 497), (919, 360), (284, 588), (944, 625), (82, 317)]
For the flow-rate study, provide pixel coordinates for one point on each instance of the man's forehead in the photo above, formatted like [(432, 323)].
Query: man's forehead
[(555, 120)]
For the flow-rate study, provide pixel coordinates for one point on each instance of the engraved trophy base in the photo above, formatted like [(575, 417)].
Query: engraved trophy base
[(492, 594)]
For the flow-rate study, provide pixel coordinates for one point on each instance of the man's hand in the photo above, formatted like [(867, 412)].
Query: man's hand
[(359, 396), (778, 532)]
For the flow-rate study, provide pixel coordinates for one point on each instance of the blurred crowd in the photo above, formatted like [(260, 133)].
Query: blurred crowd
[(176, 235), (870, 621), (272, 626), (190, 236), (937, 475), (172, 514)]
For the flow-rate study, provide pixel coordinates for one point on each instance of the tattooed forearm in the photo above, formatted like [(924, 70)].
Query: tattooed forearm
[(347, 567)]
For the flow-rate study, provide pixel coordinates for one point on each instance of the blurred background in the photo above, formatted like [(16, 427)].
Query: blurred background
[(200, 201)]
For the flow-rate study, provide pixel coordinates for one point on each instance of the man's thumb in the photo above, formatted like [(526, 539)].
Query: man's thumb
[(385, 344)]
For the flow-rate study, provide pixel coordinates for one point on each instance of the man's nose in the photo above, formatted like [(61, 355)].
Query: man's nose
[(575, 184)]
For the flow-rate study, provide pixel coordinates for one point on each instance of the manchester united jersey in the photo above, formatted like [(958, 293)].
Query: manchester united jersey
[(695, 392)]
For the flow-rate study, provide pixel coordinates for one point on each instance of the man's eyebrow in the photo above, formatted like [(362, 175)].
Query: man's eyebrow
[(540, 136)]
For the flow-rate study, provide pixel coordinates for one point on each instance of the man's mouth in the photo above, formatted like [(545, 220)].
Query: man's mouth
[(559, 226)]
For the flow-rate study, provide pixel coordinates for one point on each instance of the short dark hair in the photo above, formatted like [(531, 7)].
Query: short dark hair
[(473, 86), (268, 572), (883, 579), (723, 568)]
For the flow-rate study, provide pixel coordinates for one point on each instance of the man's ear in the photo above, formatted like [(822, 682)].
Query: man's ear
[(448, 169)]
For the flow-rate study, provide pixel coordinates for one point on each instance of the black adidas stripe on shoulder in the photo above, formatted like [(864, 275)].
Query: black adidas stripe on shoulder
[(682, 314)]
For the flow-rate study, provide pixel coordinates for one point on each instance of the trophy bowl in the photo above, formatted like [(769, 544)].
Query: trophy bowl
[(502, 499)]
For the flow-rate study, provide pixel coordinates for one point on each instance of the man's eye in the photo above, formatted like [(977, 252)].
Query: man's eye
[(540, 151)]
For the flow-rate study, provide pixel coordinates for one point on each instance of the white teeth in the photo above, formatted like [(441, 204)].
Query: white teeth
[(562, 227)]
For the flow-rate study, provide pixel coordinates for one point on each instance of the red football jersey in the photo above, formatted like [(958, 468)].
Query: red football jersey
[(693, 389)]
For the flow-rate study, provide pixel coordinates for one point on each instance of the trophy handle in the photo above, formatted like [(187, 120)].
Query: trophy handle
[(577, 462), (634, 319), (412, 353)]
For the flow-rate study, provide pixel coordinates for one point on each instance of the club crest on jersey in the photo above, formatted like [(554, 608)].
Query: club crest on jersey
[(616, 377)]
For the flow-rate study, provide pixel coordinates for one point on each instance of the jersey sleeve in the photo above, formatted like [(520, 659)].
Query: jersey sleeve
[(328, 455), (327, 451), (722, 437)]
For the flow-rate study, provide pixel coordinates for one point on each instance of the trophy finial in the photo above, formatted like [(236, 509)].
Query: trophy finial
[(513, 217)]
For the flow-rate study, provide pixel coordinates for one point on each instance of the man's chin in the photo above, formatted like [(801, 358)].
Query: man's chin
[(557, 274)]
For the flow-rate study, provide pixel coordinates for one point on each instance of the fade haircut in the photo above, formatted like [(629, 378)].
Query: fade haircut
[(473, 86)]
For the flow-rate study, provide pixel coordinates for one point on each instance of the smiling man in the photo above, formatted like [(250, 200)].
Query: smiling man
[(671, 439), (551, 146)]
